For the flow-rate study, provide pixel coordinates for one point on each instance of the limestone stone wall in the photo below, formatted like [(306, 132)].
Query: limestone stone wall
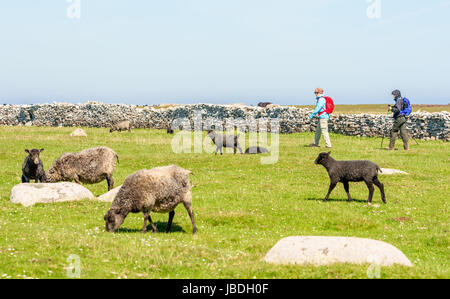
[(291, 119)]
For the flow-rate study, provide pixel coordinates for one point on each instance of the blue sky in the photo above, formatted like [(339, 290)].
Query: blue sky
[(223, 51)]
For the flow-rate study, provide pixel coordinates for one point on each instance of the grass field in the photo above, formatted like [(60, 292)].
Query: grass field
[(242, 209)]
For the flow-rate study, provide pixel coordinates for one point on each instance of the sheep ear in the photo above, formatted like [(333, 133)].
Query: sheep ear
[(27, 151), (41, 150), (329, 153)]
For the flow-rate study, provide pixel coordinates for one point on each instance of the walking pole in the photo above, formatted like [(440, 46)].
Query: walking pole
[(384, 131)]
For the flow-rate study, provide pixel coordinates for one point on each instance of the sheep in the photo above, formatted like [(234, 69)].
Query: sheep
[(170, 130), (32, 167), (122, 126), (222, 141), (158, 190), (89, 166), (256, 150), (264, 104), (351, 171)]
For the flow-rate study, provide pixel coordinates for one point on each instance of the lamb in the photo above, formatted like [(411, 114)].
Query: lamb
[(222, 141), (158, 190), (256, 150), (89, 166), (122, 126), (351, 171), (32, 167)]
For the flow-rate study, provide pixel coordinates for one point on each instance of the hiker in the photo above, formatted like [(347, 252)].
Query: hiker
[(401, 109), (324, 106)]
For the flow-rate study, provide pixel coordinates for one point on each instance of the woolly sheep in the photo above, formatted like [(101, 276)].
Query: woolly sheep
[(351, 171), (158, 190), (89, 166), (122, 126), (32, 167), (222, 141)]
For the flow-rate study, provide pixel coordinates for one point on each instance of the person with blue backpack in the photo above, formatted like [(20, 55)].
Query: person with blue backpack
[(401, 110)]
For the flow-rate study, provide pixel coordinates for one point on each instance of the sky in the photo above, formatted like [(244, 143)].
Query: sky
[(224, 51)]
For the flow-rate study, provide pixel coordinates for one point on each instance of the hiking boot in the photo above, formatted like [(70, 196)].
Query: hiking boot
[(313, 145), (406, 147)]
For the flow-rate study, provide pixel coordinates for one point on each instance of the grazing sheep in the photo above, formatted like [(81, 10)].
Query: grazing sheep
[(264, 104), (222, 141), (256, 150), (122, 126), (32, 167), (158, 190), (89, 166), (351, 171)]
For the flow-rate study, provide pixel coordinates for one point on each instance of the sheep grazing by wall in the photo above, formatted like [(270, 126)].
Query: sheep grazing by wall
[(256, 150), (351, 171), (222, 141), (32, 167), (122, 126), (158, 190), (89, 166)]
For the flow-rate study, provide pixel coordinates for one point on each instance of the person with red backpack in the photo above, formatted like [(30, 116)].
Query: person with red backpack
[(324, 106)]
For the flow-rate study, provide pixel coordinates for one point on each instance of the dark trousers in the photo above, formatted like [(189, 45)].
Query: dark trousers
[(399, 127)]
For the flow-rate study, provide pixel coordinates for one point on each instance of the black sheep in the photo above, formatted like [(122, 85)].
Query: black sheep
[(351, 171), (32, 167), (256, 150)]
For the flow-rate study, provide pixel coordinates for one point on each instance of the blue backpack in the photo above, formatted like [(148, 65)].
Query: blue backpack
[(407, 108)]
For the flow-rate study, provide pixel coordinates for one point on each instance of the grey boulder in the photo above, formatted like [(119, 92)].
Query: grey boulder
[(110, 195), (30, 194), (320, 251)]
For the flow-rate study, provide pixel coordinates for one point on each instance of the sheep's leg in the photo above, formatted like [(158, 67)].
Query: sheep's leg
[(332, 186), (154, 228), (239, 148), (110, 181), (144, 229), (169, 223), (371, 189), (217, 149), (381, 187), (347, 189), (77, 180), (25, 179), (188, 206)]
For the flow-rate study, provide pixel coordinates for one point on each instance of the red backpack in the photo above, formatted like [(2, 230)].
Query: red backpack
[(329, 106)]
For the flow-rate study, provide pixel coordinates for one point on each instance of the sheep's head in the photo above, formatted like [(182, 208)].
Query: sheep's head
[(34, 155), (53, 175), (114, 218), (322, 158)]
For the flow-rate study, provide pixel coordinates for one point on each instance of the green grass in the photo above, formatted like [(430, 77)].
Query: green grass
[(380, 108), (242, 209)]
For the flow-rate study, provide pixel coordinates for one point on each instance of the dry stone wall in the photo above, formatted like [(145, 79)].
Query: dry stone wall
[(291, 119)]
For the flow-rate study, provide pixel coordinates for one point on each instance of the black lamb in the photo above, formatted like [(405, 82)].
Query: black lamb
[(351, 171), (256, 150), (33, 168)]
